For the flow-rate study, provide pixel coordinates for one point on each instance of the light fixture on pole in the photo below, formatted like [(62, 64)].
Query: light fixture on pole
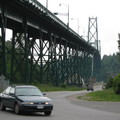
[(47, 4), (68, 11)]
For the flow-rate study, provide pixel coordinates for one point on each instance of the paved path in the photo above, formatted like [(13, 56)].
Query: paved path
[(65, 109), (103, 106)]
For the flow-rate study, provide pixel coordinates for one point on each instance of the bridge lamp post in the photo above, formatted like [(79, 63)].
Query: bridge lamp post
[(77, 24), (47, 4), (67, 5), (63, 13)]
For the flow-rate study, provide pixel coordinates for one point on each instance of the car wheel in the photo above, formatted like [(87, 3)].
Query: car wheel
[(2, 107), (17, 109), (47, 113)]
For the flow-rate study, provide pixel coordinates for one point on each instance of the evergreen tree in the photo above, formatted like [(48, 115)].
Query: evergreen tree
[(110, 67)]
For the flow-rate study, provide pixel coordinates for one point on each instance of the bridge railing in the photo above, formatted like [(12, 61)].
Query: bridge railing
[(44, 10)]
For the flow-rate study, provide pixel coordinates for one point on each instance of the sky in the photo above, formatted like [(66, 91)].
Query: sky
[(107, 15)]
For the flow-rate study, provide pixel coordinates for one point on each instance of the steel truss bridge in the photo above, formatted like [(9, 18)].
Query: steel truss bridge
[(42, 47)]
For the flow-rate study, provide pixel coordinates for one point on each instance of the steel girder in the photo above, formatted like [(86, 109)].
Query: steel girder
[(2, 43), (43, 54), (47, 62)]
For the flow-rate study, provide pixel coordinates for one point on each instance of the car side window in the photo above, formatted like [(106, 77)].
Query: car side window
[(7, 90), (12, 91)]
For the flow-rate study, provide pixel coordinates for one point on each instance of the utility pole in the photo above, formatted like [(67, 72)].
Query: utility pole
[(47, 4), (68, 12)]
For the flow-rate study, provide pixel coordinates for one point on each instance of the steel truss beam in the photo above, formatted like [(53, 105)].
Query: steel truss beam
[(42, 54), (2, 42)]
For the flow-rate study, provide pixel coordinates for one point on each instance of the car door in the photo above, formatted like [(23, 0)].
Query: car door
[(11, 97), (5, 97)]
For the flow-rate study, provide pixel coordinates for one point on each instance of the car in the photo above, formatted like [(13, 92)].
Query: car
[(90, 87), (25, 98)]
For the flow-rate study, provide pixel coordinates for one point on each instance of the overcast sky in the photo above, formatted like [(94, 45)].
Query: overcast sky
[(106, 12)]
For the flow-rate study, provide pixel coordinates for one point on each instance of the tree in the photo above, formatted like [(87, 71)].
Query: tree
[(116, 84), (110, 67)]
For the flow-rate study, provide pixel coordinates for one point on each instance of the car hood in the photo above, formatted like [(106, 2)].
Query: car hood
[(34, 98)]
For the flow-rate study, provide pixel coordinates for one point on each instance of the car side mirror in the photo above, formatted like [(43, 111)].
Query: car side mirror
[(44, 94), (11, 94)]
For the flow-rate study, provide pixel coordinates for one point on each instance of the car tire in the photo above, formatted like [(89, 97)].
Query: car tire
[(17, 108), (2, 107), (47, 113)]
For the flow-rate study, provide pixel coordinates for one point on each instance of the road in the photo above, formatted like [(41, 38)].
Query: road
[(64, 109)]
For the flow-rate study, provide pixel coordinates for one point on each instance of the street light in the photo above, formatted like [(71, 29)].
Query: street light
[(47, 4), (77, 23), (68, 11)]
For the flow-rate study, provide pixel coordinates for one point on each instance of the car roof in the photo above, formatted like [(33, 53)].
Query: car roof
[(20, 86)]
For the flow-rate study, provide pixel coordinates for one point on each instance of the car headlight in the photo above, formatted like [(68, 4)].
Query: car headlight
[(28, 103), (50, 102)]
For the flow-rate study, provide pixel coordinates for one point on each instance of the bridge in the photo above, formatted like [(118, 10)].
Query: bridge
[(42, 48)]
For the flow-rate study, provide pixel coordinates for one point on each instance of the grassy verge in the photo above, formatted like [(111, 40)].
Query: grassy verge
[(105, 95), (47, 88)]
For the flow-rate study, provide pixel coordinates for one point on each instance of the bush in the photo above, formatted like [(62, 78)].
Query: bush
[(116, 84), (63, 85), (109, 83)]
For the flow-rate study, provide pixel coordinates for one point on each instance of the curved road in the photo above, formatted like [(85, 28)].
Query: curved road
[(64, 109)]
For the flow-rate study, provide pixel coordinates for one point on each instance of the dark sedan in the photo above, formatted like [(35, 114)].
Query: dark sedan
[(25, 98)]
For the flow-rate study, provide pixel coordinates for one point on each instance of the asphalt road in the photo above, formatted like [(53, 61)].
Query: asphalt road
[(64, 109)]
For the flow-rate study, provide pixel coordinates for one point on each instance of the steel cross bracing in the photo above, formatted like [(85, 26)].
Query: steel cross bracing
[(42, 49), (93, 40), (93, 32)]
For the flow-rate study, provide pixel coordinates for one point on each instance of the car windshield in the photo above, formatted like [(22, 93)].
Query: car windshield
[(28, 91)]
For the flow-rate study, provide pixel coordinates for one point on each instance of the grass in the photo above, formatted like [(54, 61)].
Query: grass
[(47, 88), (105, 95)]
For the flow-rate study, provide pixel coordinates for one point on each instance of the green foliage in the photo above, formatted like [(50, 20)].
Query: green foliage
[(109, 83), (48, 87), (110, 67), (116, 85), (63, 85), (104, 95)]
